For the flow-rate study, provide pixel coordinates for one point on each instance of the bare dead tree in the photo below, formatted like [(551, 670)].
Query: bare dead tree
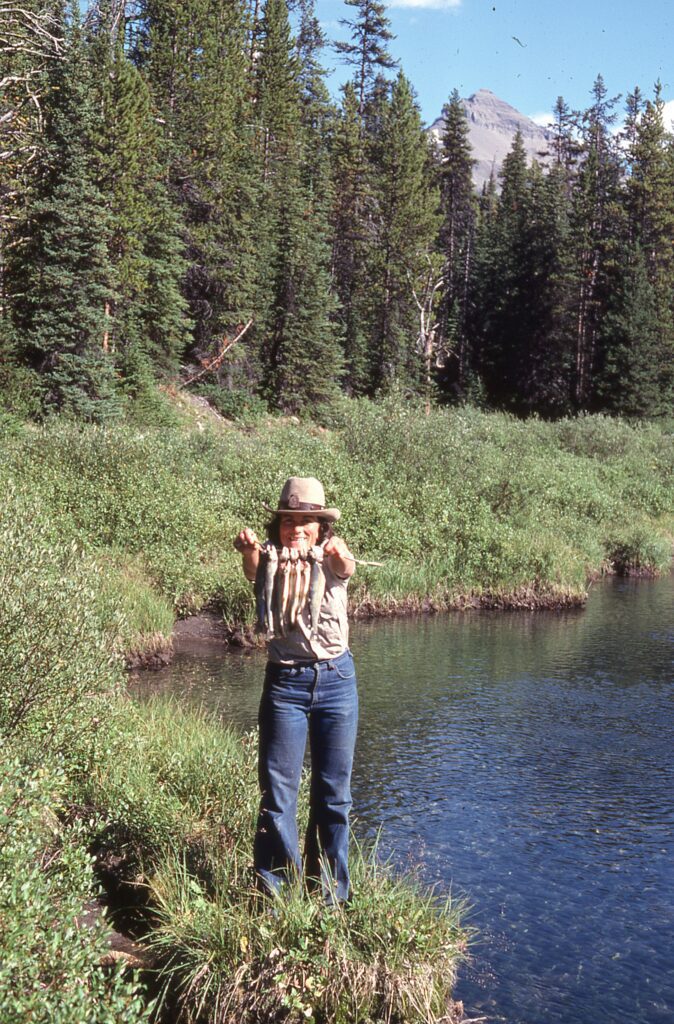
[(429, 342), (29, 41)]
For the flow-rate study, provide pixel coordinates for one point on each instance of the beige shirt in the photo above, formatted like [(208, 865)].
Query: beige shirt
[(333, 627)]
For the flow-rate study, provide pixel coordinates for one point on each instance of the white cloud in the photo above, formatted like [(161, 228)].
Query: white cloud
[(435, 5), (543, 119)]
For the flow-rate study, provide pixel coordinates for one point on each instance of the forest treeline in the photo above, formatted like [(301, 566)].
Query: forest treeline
[(178, 187)]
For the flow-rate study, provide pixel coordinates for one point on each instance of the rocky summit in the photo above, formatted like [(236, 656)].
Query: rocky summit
[(493, 124)]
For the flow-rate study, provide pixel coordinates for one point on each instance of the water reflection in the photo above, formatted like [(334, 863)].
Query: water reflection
[(525, 760)]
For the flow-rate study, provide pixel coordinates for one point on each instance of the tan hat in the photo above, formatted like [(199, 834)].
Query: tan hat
[(302, 495)]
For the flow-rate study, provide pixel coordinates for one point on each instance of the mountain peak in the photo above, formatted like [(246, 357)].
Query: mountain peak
[(493, 124)]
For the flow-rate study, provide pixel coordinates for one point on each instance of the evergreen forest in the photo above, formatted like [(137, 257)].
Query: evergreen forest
[(180, 194)]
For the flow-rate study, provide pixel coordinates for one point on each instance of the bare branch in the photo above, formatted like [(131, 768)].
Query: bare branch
[(213, 364)]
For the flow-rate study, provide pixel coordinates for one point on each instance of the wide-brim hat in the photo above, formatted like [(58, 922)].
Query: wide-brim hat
[(303, 496)]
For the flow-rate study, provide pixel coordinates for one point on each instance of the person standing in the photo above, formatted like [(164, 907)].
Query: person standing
[(309, 691)]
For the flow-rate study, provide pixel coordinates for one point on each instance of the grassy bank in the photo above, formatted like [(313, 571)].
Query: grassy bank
[(104, 536), (463, 507), (159, 804)]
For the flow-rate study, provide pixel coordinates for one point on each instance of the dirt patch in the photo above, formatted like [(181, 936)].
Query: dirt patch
[(209, 628)]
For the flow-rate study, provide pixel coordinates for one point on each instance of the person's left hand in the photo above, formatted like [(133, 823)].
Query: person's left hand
[(342, 562)]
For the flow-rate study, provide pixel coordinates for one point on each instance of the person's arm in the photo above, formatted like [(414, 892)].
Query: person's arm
[(341, 562), (249, 546)]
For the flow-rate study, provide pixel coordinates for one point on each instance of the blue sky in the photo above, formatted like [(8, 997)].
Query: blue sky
[(528, 52)]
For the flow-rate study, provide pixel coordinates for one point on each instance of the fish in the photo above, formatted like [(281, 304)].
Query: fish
[(271, 565), (305, 580), (316, 588), (295, 583), (281, 589), (260, 592)]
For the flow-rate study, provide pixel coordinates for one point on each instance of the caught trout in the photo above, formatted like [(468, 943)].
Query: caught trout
[(316, 587), (281, 590), (305, 580), (260, 593), (294, 594), (271, 564)]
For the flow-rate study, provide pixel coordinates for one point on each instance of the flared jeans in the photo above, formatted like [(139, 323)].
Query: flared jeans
[(318, 699)]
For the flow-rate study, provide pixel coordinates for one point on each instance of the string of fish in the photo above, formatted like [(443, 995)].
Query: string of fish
[(286, 579)]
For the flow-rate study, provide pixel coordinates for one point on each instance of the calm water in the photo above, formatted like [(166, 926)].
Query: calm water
[(525, 761)]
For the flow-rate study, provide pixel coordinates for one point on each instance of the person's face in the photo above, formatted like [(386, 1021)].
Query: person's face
[(298, 531)]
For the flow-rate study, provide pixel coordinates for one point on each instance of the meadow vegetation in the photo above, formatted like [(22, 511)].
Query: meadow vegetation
[(462, 506), (105, 535)]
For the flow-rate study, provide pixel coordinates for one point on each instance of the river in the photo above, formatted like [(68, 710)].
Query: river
[(525, 761)]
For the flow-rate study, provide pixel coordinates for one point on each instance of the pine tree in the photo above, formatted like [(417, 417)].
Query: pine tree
[(521, 289), (367, 51), (635, 379), (148, 321), (299, 344), (637, 334), (353, 230), (546, 346), (194, 56), (565, 145), (408, 204), (458, 206), (498, 277), (61, 278), (31, 40), (597, 228)]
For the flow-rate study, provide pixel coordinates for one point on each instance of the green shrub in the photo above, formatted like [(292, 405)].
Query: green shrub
[(55, 662), (235, 404), (49, 960)]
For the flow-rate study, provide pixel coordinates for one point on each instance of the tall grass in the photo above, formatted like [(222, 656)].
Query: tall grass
[(182, 811)]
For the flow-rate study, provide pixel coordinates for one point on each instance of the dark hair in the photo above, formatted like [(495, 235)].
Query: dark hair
[(324, 530)]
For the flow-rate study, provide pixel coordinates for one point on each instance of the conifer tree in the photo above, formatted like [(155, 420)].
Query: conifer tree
[(637, 333), (546, 349), (31, 39), (194, 56), (299, 347), (497, 271), (61, 277), (523, 282), (565, 146), (597, 228), (367, 52), (408, 204), (458, 208), (148, 321), (353, 229), (636, 377)]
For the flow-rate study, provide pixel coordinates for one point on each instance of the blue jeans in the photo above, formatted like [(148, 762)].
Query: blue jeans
[(318, 698)]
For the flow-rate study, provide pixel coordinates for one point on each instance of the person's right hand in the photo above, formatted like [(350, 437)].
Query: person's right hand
[(246, 540)]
